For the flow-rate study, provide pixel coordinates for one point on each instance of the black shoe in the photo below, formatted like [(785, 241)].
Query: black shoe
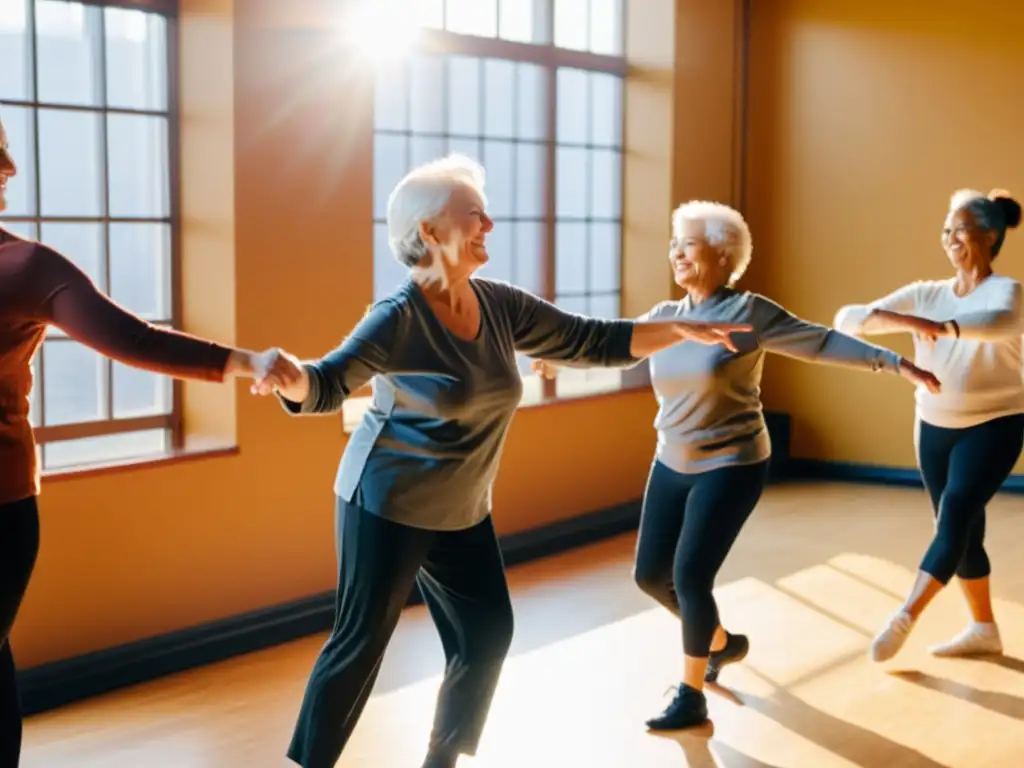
[(688, 709), (735, 649)]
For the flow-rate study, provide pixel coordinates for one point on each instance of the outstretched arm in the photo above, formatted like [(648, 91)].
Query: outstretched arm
[(1004, 320), (72, 303), (886, 315), (323, 385)]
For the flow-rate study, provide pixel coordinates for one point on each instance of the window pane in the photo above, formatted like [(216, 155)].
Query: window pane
[(15, 62), (72, 383), (426, 148), (605, 246), (472, 17), (532, 102), (605, 184), (106, 448), (570, 258), (137, 166), (529, 256), (605, 306), (26, 229), (389, 166), (499, 248), (467, 147), (391, 98), (70, 174), (83, 244), (518, 21), (573, 106), (575, 304), (136, 55), (388, 274), (68, 41), (606, 26), (430, 13), (501, 178), (530, 181), (140, 269), (20, 129), (426, 89), (572, 24), (464, 96), (605, 110), (499, 84), (571, 179), (139, 393)]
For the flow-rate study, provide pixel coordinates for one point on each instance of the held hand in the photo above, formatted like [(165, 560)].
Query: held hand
[(544, 368), (919, 377), (711, 333), (276, 370)]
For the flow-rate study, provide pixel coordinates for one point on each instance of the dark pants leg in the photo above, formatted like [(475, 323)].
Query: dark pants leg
[(19, 545), (377, 565), (688, 525), (962, 470), (463, 584)]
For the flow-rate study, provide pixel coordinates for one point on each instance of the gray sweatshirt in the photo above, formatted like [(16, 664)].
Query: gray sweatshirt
[(709, 398), (426, 453)]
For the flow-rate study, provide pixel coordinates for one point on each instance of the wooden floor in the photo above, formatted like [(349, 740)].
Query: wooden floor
[(815, 572)]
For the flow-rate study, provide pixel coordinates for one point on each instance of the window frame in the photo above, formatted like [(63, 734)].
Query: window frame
[(550, 58), (172, 420)]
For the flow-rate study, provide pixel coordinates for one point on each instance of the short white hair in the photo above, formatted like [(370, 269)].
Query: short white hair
[(422, 196), (724, 228)]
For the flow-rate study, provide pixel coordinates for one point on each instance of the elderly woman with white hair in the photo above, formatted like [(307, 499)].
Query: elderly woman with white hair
[(968, 437), (711, 461), (414, 486)]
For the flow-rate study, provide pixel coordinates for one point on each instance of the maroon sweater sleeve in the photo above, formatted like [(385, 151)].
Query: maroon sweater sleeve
[(69, 300)]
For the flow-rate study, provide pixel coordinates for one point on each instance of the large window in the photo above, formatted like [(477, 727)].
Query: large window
[(533, 89), (84, 98)]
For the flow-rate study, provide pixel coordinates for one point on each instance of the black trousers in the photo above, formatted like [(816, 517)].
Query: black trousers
[(962, 470), (462, 577), (19, 545), (687, 527)]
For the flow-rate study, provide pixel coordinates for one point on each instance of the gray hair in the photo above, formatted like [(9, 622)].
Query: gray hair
[(994, 212), (725, 229), (422, 195)]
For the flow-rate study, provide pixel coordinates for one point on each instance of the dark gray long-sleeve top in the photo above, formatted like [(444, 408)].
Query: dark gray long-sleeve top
[(709, 398), (427, 450)]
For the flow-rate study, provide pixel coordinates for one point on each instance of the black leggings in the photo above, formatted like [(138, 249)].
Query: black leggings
[(962, 470), (461, 575), (19, 545), (687, 527)]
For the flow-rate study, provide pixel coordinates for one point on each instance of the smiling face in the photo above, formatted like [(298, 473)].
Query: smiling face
[(965, 243), (457, 239), (7, 167), (695, 262)]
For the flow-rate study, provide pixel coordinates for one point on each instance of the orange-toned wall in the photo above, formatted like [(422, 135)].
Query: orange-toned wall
[(276, 133), (864, 116)]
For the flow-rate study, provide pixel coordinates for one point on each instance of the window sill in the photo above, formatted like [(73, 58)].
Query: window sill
[(200, 450), (575, 386)]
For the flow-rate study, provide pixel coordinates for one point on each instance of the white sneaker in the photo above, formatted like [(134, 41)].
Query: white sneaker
[(888, 642), (975, 640)]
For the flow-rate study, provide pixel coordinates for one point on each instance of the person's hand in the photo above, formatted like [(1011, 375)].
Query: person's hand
[(919, 377), (710, 333), (544, 368), (275, 370)]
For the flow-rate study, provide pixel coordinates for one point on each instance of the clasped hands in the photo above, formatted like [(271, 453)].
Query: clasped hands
[(276, 371)]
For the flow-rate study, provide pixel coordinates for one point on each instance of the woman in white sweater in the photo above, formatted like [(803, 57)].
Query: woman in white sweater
[(967, 330)]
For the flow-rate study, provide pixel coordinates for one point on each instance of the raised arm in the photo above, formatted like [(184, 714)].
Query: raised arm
[(781, 332), (71, 302), (324, 384), (1004, 320), (885, 315)]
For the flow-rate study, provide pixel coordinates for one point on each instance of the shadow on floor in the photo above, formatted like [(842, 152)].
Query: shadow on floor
[(994, 701)]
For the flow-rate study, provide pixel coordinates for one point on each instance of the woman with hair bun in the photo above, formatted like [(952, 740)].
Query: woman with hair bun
[(968, 331)]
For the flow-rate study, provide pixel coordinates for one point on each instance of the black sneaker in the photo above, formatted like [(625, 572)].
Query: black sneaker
[(688, 709), (735, 649)]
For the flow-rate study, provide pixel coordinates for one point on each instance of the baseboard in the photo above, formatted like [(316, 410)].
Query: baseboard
[(837, 471), (64, 682)]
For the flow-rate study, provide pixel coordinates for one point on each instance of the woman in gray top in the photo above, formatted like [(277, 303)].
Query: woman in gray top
[(414, 485), (712, 455)]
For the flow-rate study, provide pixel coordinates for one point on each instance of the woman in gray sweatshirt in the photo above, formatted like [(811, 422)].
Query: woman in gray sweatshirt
[(712, 454), (414, 486)]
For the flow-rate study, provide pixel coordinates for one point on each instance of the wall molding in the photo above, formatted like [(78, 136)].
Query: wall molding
[(873, 474)]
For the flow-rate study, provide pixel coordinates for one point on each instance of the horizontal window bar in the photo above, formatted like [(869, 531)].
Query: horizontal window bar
[(84, 108), (102, 428)]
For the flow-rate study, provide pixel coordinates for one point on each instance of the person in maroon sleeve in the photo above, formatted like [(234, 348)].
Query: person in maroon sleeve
[(38, 288)]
